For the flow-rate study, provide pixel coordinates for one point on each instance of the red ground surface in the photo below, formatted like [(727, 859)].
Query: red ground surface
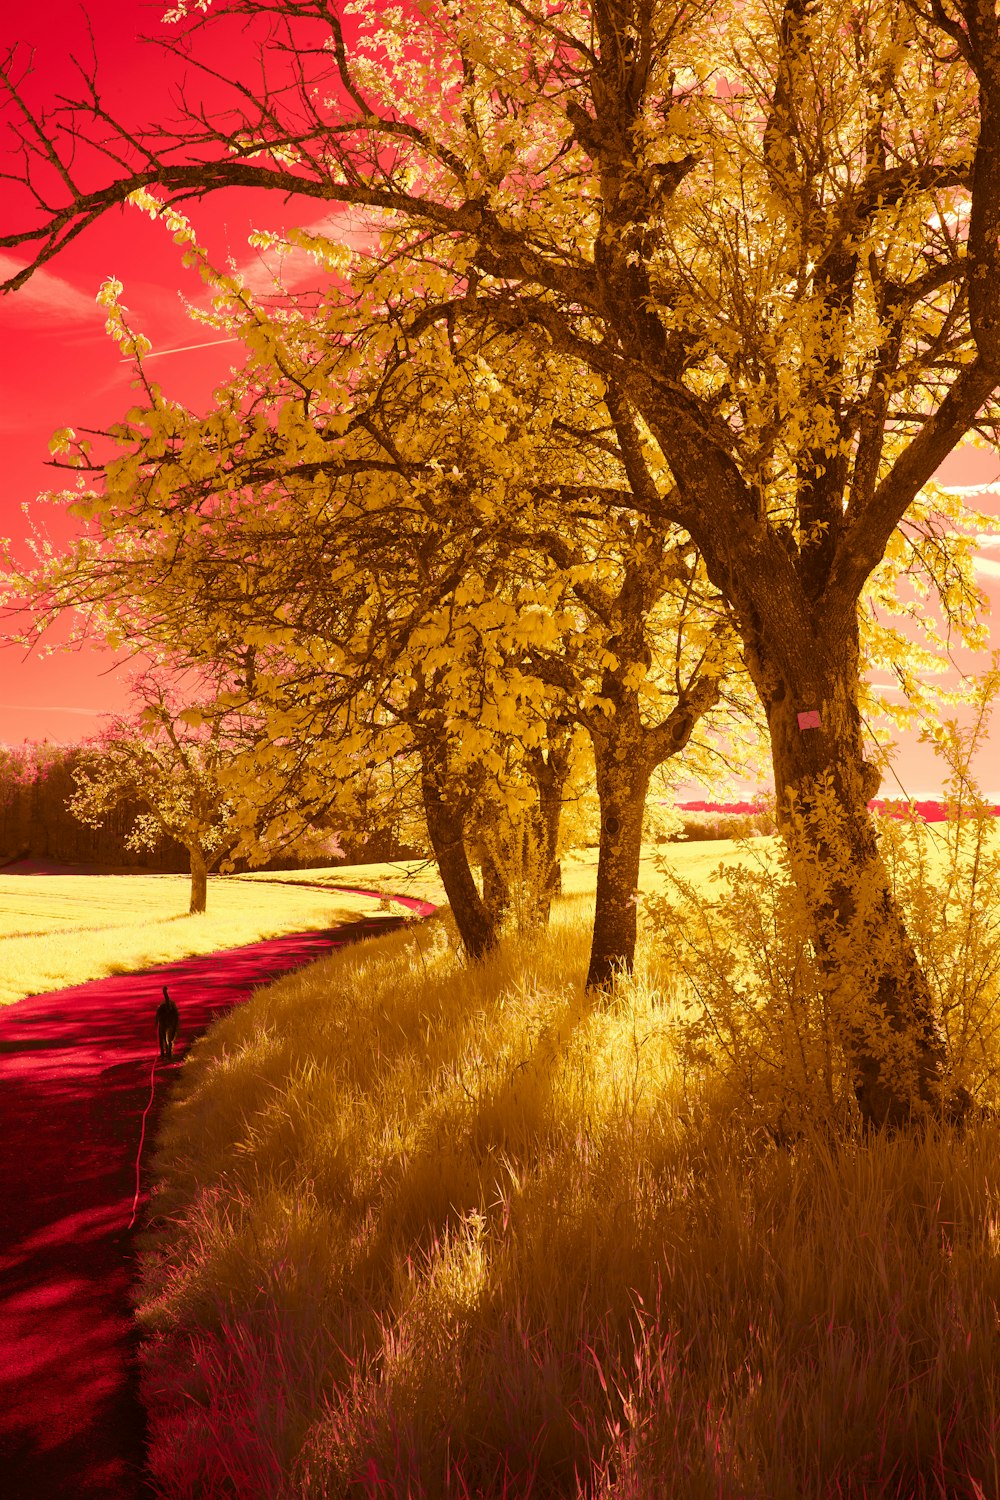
[(75, 1071)]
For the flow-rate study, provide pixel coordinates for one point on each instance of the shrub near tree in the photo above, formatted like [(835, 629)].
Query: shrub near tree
[(755, 1026)]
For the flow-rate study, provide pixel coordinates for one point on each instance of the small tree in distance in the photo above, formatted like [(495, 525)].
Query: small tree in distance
[(167, 760)]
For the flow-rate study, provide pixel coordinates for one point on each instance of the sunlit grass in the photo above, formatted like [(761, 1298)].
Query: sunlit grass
[(414, 877), (60, 930), (428, 1230)]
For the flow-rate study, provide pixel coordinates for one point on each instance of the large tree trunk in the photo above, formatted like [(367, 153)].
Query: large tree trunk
[(547, 836), (795, 602), (623, 773), (445, 827), (823, 785), (199, 880)]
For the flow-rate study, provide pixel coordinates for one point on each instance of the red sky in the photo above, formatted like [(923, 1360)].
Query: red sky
[(60, 369), (59, 366)]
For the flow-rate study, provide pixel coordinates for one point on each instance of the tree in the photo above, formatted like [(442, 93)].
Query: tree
[(772, 233), (519, 846), (431, 580), (167, 762), (18, 772), (655, 658)]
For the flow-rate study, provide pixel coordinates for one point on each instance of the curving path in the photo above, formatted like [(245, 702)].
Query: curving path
[(74, 1082)]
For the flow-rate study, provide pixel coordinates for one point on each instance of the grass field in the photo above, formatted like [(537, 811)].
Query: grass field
[(62, 929)]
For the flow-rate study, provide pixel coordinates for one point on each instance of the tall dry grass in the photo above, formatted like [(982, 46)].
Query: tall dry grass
[(423, 1230)]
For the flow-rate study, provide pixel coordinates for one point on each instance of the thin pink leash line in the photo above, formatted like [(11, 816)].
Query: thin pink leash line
[(142, 1137)]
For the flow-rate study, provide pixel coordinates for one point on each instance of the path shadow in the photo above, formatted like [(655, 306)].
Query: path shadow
[(76, 1068)]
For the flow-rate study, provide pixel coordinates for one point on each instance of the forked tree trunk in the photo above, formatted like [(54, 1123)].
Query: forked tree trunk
[(626, 753), (199, 880), (547, 836), (496, 891), (623, 774), (445, 827), (520, 866), (862, 947), (550, 773)]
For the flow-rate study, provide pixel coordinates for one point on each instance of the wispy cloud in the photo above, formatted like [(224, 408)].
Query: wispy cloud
[(987, 566), (50, 296), (993, 488), (52, 708), (271, 270), (266, 268)]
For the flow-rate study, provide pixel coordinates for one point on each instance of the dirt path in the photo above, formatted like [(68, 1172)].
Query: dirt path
[(74, 1082)]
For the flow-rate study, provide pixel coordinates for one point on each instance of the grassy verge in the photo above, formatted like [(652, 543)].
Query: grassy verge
[(60, 930), (430, 1231)]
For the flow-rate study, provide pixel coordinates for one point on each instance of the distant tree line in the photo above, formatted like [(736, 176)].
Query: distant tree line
[(733, 820), (37, 783)]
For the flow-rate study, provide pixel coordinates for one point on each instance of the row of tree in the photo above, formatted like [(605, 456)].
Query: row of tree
[(146, 794), (617, 419), (37, 786)]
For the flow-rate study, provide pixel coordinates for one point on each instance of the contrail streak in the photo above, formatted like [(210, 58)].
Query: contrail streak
[(53, 708), (182, 349)]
